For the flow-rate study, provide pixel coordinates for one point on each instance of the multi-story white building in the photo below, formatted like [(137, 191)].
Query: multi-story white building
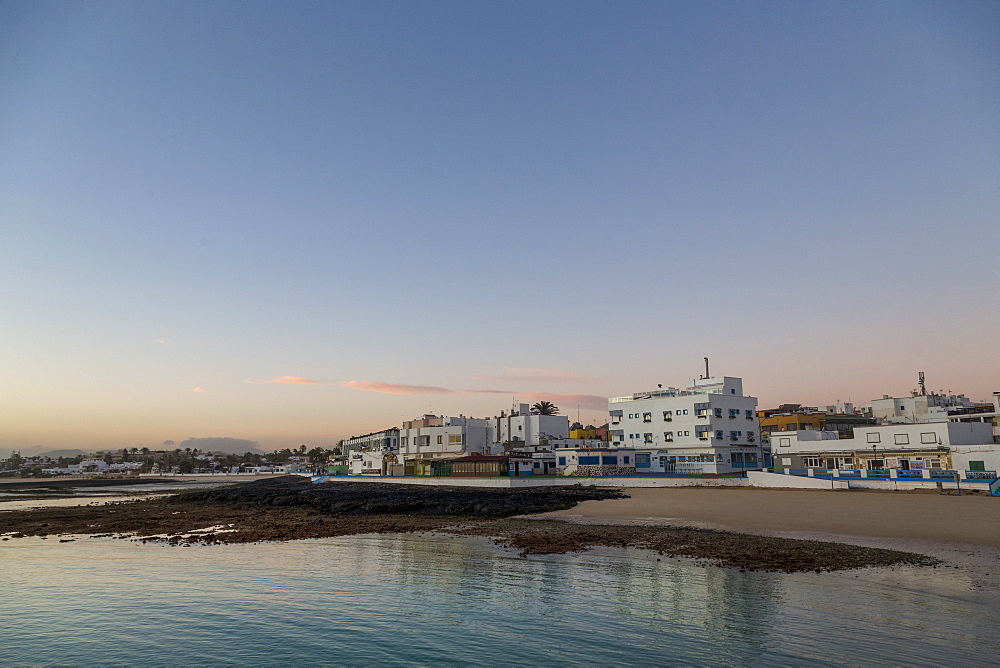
[(387, 439), (520, 428), (710, 427), (431, 436)]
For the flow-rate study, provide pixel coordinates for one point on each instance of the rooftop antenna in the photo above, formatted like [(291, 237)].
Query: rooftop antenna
[(923, 387)]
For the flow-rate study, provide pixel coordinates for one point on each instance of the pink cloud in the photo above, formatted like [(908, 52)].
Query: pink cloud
[(530, 375), (395, 388), (565, 401), (286, 380), (197, 389)]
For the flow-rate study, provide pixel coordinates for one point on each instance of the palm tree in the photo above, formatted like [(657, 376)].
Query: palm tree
[(545, 408)]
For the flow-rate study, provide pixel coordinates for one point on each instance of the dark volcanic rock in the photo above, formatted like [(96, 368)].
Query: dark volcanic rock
[(293, 508), (395, 499)]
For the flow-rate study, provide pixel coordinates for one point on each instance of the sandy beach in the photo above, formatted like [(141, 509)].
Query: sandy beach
[(973, 520)]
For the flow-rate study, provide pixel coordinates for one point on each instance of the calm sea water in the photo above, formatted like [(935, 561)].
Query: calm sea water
[(423, 600)]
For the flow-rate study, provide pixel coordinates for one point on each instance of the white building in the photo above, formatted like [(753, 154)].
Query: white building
[(387, 439), (432, 436), (710, 427), (521, 428), (933, 445), (371, 462), (916, 408)]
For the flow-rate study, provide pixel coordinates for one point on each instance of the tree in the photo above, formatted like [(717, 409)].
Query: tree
[(545, 408)]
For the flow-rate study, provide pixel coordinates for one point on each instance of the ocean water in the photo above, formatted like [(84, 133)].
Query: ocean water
[(442, 600)]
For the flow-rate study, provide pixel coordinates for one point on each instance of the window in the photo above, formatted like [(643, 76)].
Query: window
[(687, 433), (668, 436), (748, 414), (784, 442), (685, 411), (585, 461), (648, 438), (734, 412), (873, 437), (609, 460), (668, 415), (625, 460), (718, 412), (928, 437), (813, 462), (454, 439), (642, 460), (562, 461), (977, 466), (719, 433), (901, 439), (647, 417), (439, 438)]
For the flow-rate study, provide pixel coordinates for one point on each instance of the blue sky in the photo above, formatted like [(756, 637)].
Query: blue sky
[(579, 199)]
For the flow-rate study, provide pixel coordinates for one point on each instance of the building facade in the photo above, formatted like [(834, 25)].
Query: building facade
[(387, 439), (520, 428), (709, 428), (433, 437), (931, 445)]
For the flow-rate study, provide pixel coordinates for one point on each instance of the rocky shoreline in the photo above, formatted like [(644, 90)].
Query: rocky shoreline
[(292, 508)]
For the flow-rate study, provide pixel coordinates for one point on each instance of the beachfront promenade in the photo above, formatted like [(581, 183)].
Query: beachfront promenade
[(750, 479)]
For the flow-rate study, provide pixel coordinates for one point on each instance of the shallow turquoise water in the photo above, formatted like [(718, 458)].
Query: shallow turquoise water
[(446, 600)]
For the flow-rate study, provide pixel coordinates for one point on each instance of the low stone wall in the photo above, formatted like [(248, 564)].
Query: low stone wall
[(595, 470)]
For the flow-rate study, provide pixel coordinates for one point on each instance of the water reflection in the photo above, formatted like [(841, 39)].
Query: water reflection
[(443, 599)]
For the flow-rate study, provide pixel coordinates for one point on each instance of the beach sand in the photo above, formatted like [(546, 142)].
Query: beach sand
[(972, 520)]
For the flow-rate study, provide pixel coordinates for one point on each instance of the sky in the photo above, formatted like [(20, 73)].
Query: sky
[(297, 222)]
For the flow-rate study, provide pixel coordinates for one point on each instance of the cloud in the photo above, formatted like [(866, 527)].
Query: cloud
[(286, 380), (197, 389), (395, 388), (529, 375), (567, 402)]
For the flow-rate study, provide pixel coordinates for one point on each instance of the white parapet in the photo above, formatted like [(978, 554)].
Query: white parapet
[(765, 479)]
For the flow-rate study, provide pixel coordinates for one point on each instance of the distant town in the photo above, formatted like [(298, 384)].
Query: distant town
[(710, 428)]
